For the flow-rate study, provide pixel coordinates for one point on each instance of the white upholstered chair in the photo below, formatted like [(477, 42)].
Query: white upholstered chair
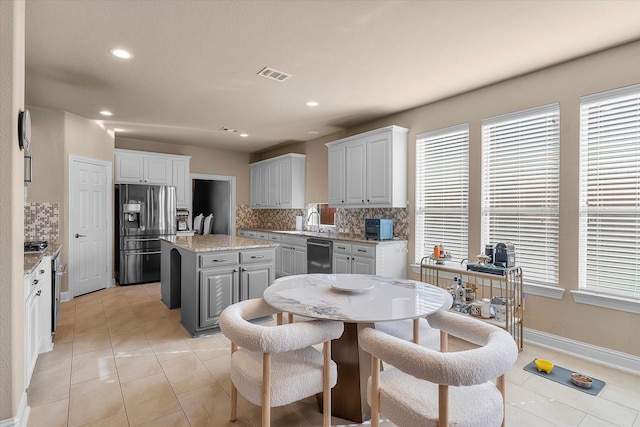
[(432, 388), (273, 366), (403, 329)]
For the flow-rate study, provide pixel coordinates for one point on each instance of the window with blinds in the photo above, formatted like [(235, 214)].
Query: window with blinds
[(442, 191), (610, 192), (520, 180)]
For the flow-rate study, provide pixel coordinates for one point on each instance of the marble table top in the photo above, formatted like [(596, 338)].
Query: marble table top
[(373, 298)]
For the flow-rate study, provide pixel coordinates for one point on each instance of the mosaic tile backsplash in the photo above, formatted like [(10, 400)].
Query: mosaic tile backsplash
[(351, 220), (41, 221)]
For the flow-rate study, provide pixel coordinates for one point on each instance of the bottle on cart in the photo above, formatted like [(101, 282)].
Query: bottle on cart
[(460, 290)]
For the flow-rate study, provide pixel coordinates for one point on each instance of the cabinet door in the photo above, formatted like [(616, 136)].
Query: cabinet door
[(218, 289), (284, 181), (274, 183), (255, 280), (355, 172), (158, 170), (378, 167), (129, 168), (263, 185), (341, 264), (32, 340), (300, 260), (362, 265), (254, 186), (337, 175), (182, 183), (287, 261)]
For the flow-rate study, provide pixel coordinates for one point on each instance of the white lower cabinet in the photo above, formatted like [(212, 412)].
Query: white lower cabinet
[(383, 259), (294, 255), (37, 315)]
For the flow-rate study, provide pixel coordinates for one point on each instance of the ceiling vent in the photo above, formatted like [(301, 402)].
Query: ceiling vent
[(272, 74)]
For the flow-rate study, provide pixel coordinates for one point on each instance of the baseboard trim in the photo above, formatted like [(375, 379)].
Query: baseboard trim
[(65, 296), (22, 419), (612, 358)]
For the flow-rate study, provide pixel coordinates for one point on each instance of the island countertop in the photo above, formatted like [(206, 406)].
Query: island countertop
[(217, 242)]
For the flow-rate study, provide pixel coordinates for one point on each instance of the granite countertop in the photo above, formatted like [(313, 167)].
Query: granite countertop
[(217, 242), (344, 237), (32, 260)]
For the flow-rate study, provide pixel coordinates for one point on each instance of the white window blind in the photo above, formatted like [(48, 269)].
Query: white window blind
[(442, 191), (520, 180), (610, 192)]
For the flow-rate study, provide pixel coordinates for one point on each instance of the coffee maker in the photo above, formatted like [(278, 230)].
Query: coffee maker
[(182, 216)]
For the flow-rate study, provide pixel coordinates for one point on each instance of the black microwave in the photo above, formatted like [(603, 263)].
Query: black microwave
[(378, 228)]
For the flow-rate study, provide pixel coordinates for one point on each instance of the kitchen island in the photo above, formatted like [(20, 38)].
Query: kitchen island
[(204, 274)]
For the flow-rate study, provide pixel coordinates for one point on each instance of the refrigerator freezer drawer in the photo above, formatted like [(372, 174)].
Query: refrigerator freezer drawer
[(139, 267)]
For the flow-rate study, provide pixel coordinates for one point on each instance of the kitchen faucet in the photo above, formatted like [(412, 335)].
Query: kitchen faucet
[(309, 219)]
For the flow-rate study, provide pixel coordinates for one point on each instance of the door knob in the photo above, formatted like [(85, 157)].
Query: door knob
[(79, 235)]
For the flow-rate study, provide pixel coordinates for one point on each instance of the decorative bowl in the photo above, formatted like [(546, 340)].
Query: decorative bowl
[(581, 380), (544, 365)]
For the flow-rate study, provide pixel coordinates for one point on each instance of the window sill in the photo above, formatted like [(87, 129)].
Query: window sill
[(544, 291), (607, 301)]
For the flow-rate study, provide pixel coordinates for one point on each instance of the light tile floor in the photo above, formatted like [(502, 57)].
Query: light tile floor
[(121, 358)]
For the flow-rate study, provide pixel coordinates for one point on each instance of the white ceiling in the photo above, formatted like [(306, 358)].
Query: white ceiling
[(195, 63)]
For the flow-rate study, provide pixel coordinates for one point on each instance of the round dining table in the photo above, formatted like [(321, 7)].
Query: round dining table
[(358, 300)]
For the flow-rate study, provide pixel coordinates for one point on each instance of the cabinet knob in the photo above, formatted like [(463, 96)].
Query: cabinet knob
[(38, 293), (41, 271), (235, 270)]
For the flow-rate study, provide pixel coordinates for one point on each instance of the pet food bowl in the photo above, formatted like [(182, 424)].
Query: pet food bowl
[(544, 365), (581, 380)]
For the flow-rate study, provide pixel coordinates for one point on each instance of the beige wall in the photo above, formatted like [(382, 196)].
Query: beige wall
[(12, 42), (57, 135), (203, 160), (565, 84)]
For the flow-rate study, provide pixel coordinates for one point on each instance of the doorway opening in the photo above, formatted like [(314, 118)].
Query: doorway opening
[(215, 195)]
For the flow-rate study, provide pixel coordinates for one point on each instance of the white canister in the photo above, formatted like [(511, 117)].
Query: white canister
[(299, 222), (501, 313), (485, 310), (476, 308)]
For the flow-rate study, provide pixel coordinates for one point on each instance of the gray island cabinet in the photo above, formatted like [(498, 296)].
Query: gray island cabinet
[(202, 275)]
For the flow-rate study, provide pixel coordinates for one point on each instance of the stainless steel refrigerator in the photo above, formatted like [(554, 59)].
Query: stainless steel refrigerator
[(143, 214)]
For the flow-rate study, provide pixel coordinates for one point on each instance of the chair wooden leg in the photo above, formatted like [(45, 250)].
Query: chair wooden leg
[(234, 393), (266, 390), (234, 403), (375, 391), (290, 318), (326, 384), (416, 331), (444, 342), (443, 406), (501, 384), (278, 319)]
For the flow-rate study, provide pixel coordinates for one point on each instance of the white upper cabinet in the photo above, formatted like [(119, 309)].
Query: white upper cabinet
[(278, 183), (369, 169), (182, 183), (141, 167)]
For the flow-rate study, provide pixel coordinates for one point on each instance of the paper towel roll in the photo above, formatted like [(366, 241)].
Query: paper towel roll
[(299, 222)]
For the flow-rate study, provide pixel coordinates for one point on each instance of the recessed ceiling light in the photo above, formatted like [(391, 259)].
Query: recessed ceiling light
[(244, 135), (106, 113), (312, 104), (313, 132), (121, 53)]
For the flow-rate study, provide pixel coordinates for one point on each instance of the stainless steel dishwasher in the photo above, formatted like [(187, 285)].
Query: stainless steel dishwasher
[(319, 256)]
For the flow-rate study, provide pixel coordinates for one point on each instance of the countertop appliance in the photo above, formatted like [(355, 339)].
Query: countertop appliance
[(504, 255), (182, 217), (35, 247), (378, 228), (143, 213), (319, 256)]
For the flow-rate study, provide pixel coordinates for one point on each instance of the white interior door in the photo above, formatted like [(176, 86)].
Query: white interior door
[(89, 225)]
